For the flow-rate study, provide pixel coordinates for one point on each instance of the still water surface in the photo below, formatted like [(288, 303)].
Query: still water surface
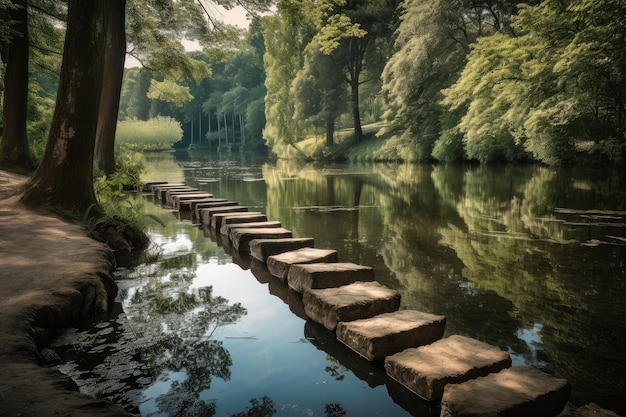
[(530, 259)]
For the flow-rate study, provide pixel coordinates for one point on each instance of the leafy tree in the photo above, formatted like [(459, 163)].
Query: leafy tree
[(432, 42), (347, 31), (554, 89), (319, 91), (286, 36)]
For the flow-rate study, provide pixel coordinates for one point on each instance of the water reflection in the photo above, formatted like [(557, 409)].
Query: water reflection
[(529, 259)]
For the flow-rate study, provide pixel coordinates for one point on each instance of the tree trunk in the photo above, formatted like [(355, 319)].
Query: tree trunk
[(64, 179), (330, 130), (14, 150), (115, 55), (356, 113)]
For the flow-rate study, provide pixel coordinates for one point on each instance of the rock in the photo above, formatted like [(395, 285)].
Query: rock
[(593, 410), (302, 277), (228, 227), (279, 264), (426, 370), (359, 300), (386, 334), (200, 206), (261, 249), (218, 218), (240, 237), (206, 213), (517, 391)]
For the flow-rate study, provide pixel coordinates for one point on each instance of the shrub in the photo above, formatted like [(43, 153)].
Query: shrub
[(149, 135)]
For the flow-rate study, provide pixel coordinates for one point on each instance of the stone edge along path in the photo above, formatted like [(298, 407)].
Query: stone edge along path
[(362, 332)]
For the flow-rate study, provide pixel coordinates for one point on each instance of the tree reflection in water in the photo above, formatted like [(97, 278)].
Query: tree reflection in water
[(174, 326)]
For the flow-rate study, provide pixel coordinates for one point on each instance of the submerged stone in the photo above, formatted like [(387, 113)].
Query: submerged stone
[(386, 334), (261, 249), (228, 227), (517, 391), (359, 300), (279, 264), (241, 236), (302, 277), (426, 370), (207, 213)]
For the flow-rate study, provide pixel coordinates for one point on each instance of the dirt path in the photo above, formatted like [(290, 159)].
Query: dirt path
[(51, 274)]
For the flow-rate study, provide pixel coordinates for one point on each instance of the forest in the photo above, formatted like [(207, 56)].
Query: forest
[(380, 80)]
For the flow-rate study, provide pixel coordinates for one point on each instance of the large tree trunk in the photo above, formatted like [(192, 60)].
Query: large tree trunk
[(64, 179), (115, 53), (14, 150)]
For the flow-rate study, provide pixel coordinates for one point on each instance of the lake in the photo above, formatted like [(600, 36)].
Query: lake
[(527, 258)]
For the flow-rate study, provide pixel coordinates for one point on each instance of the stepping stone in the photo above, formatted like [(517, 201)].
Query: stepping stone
[(359, 300), (171, 195), (228, 227), (148, 185), (593, 410), (304, 277), (240, 237), (207, 212), (426, 370), (279, 264), (385, 334), (244, 218), (210, 204), (218, 219), (177, 199), (517, 391), (159, 192), (262, 248), (166, 196), (156, 189), (191, 204)]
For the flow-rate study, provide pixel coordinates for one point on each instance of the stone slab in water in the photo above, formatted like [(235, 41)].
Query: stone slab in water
[(172, 195), (386, 334), (261, 249), (148, 185), (359, 300), (157, 188), (279, 264), (241, 237), (177, 199), (593, 410), (304, 277), (218, 219), (207, 212), (241, 218), (228, 227), (517, 391), (168, 197), (159, 191), (426, 370), (200, 206), (191, 204)]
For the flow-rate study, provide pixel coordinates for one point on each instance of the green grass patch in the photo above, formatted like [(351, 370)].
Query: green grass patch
[(155, 134)]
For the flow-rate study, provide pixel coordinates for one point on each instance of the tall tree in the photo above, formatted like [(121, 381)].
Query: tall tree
[(64, 179), (319, 91), (432, 42), (14, 150), (114, 57)]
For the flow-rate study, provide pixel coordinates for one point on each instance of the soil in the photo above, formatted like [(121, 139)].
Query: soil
[(51, 276)]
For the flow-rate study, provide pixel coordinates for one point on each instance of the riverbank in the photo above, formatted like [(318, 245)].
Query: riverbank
[(51, 275)]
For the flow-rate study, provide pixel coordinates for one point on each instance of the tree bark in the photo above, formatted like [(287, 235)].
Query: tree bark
[(115, 54), (64, 179), (330, 130), (14, 150)]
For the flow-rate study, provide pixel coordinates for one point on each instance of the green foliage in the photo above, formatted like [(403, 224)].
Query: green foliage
[(154, 134), (555, 89), (169, 91)]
